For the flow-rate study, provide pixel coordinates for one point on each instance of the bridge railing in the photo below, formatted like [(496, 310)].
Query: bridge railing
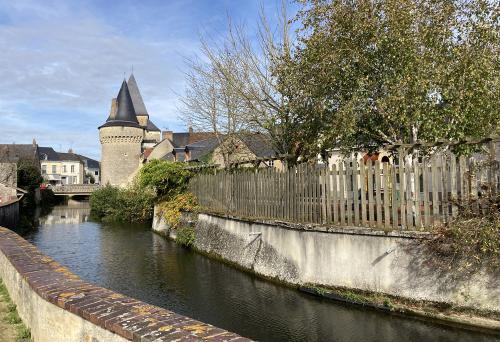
[(75, 188)]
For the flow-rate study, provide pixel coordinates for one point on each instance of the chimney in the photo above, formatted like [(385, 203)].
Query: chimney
[(114, 107), (70, 150), (190, 129), (167, 135), (34, 142)]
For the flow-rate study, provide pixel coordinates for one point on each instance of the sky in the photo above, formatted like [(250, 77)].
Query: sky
[(62, 61)]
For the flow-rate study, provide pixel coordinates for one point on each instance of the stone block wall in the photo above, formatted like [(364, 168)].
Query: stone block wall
[(120, 153)]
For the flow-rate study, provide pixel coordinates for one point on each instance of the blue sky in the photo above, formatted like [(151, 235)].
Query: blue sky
[(61, 62)]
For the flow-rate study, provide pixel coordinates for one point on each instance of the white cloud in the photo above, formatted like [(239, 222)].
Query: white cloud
[(65, 62)]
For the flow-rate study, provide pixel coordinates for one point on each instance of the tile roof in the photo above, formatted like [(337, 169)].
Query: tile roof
[(185, 138), (61, 156), (152, 127), (169, 156), (125, 113), (27, 152), (69, 157), (202, 148), (91, 163), (49, 152), (135, 94), (260, 144)]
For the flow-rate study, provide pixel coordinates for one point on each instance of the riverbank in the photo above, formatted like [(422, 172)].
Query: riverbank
[(12, 328), (58, 306), (362, 267)]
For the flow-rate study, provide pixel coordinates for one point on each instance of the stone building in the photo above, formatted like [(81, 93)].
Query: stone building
[(60, 168), (11, 156), (124, 136), (129, 138)]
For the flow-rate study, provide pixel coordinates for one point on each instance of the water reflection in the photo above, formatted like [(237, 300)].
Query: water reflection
[(73, 212), (132, 260)]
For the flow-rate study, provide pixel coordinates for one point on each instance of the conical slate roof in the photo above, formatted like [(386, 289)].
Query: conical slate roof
[(125, 113), (139, 106)]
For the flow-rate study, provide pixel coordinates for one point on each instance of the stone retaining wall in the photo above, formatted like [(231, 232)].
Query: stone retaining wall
[(9, 213), (394, 263), (58, 306)]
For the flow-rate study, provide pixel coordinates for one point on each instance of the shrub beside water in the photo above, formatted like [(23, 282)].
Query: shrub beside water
[(166, 178), (185, 236), (157, 181), (133, 204), (471, 241), (172, 209)]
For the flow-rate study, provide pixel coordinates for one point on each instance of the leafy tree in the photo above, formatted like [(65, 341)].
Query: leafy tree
[(167, 178), (371, 72), (28, 176)]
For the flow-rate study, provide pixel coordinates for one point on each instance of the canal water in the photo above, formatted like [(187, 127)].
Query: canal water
[(133, 260)]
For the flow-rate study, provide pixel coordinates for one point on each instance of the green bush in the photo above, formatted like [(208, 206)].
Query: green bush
[(172, 209), (185, 236), (471, 241), (157, 180), (28, 176), (166, 178), (133, 204), (103, 201)]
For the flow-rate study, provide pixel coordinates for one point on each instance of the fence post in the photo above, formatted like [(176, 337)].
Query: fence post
[(355, 191), (402, 186), (371, 219), (493, 168), (453, 183), (378, 193), (341, 193), (335, 195), (387, 180), (362, 181)]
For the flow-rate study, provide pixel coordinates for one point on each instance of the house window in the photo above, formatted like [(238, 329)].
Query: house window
[(64, 169), (96, 173), (72, 168), (54, 168), (44, 169)]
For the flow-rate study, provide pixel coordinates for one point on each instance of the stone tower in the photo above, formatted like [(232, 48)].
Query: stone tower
[(121, 137)]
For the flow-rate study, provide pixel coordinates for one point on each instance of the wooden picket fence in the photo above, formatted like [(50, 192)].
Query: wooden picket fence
[(406, 194)]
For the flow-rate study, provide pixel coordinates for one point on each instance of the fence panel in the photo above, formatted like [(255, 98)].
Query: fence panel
[(414, 192)]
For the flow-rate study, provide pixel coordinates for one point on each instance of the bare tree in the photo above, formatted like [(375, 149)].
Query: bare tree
[(236, 91)]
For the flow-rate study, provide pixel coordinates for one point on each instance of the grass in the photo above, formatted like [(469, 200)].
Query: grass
[(23, 334)]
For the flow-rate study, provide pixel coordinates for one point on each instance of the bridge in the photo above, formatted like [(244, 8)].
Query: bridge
[(75, 189)]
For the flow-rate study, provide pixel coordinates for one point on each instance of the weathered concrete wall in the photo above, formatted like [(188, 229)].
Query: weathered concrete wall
[(362, 259), (9, 214), (58, 306)]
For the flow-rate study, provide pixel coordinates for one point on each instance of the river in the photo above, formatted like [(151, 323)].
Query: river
[(131, 259)]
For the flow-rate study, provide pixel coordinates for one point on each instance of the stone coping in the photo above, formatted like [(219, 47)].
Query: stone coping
[(127, 317), (5, 204), (313, 227)]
